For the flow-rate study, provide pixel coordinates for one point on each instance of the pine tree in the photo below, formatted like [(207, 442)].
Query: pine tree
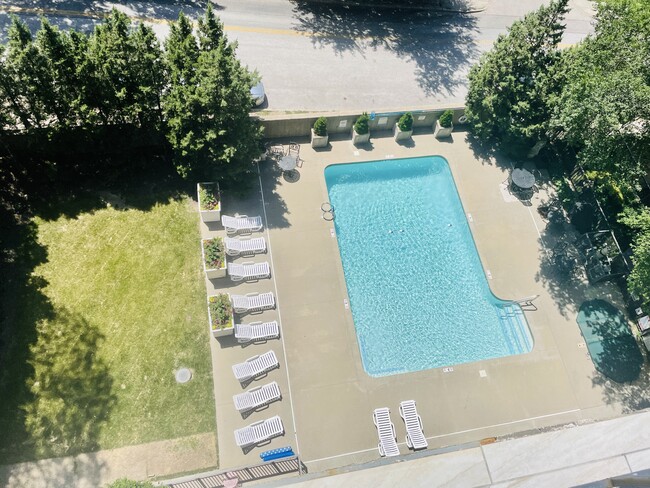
[(513, 87)]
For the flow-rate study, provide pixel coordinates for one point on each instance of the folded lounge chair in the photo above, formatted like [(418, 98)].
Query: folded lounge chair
[(257, 331), (253, 302), (255, 366), (248, 271), (241, 223), (257, 397), (414, 436), (386, 431), (236, 247), (261, 431)]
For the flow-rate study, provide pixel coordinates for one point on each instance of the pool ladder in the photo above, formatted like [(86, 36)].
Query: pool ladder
[(527, 302), (328, 211)]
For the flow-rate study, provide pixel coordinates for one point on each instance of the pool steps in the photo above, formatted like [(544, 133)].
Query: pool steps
[(515, 328)]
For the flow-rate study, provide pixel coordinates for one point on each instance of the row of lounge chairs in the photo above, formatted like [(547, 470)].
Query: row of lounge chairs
[(386, 429), (245, 247), (256, 366)]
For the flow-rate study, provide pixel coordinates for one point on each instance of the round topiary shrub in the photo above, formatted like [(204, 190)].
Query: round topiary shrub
[(320, 126), (446, 118), (361, 125), (405, 122)]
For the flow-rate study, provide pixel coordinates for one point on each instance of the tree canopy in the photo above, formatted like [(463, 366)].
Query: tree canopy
[(513, 87)]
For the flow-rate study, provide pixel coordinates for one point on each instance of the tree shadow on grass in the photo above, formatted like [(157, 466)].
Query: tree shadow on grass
[(22, 305), (442, 46), (71, 387)]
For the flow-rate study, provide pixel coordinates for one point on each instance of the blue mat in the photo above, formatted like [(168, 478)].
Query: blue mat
[(279, 453)]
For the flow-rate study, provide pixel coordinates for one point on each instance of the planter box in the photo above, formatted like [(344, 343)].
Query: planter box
[(212, 273), (318, 141), (358, 139), (442, 132), (226, 331), (401, 135), (209, 215)]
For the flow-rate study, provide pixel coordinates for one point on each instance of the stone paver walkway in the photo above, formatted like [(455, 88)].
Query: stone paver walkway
[(94, 470)]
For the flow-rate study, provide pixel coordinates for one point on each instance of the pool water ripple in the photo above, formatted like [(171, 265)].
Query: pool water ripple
[(418, 294)]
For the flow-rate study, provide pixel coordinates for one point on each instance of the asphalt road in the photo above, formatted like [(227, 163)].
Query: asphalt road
[(316, 57)]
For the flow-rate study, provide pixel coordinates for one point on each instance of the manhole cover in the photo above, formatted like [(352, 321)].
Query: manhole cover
[(183, 375)]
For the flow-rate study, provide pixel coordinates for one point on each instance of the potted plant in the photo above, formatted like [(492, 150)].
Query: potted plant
[(360, 130), (209, 201), (404, 127), (220, 315), (444, 125), (214, 257), (319, 136)]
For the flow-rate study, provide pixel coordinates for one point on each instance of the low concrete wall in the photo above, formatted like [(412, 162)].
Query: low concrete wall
[(286, 126)]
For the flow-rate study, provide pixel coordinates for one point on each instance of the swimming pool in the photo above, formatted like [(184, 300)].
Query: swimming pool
[(418, 293)]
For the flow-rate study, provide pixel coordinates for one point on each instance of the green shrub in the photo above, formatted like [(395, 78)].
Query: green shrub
[(208, 197), (126, 483), (405, 122), (361, 125), (320, 126), (446, 118), (220, 311), (214, 251)]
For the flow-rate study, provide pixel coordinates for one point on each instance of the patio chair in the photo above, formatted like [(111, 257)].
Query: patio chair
[(257, 397), (257, 331), (241, 223), (255, 366), (248, 271), (253, 302), (414, 436), (259, 432), (237, 247), (386, 431)]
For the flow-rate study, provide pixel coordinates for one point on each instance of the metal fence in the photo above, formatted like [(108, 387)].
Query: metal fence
[(250, 473)]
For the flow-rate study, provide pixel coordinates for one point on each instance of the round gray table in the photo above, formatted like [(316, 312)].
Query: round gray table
[(288, 163), (523, 178)]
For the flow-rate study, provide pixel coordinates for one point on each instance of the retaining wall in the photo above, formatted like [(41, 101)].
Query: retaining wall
[(299, 125)]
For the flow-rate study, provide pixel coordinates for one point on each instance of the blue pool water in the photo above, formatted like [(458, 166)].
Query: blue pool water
[(417, 289)]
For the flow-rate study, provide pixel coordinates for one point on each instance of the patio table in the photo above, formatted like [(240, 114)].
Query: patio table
[(288, 162), (522, 178)]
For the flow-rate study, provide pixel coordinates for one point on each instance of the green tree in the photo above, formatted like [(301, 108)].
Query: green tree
[(23, 74), (208, 102), (604, 108), (638, 221), (513, 87)]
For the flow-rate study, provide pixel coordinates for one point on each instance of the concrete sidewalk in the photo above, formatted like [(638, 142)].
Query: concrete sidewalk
[(97, 469), (565, 457)]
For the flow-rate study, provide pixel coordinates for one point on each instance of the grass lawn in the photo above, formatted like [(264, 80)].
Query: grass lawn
[(115, 307)]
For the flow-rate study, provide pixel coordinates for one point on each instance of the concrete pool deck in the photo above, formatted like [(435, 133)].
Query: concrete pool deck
[(328, 399)]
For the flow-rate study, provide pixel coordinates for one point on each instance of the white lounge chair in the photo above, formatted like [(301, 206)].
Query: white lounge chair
[(257, 331), (237, 247), (414, 433), (241, 223), (255, 366), (253, 302), (248, 271), (258, 432), (257, 397), (386, 431)]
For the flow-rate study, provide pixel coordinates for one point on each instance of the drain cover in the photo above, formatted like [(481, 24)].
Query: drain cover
[(183, 375)]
